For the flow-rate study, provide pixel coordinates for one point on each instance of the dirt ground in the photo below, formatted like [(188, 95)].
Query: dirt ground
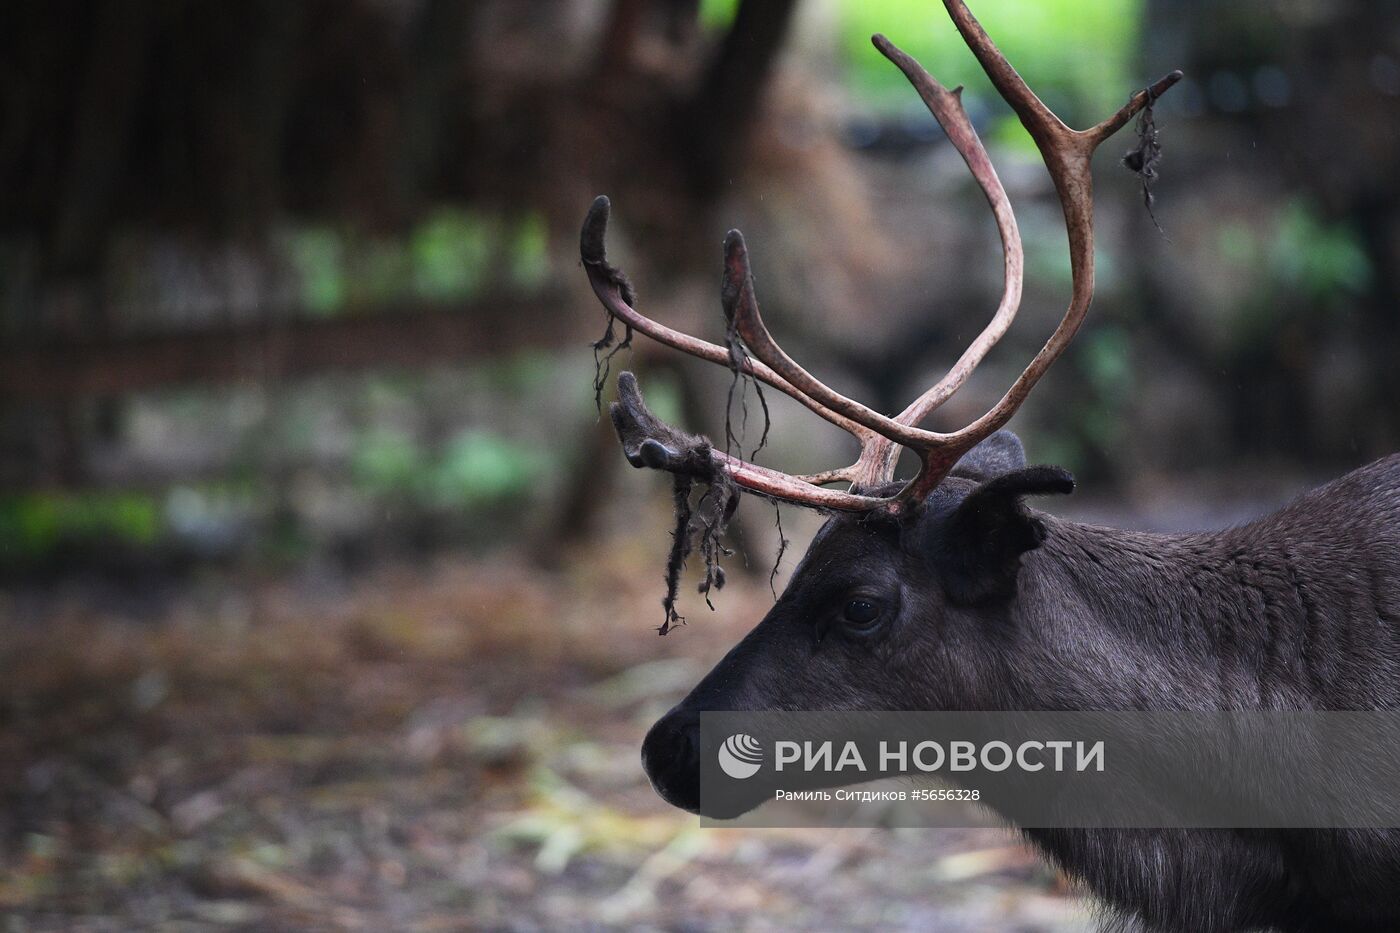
[(444, 747)]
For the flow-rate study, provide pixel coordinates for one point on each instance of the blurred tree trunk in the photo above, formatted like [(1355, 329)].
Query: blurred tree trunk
[(714, 127)]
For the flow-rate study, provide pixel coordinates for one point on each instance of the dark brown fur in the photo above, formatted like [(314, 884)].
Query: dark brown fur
[(989, 605)]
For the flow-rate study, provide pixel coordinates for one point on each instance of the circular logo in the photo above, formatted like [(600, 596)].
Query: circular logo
[(740, 756)]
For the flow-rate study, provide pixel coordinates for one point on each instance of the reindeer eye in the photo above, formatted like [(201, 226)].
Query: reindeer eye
[(861, 612)]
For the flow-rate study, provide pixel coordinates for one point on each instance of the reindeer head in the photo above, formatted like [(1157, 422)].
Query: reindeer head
[(887, 609)]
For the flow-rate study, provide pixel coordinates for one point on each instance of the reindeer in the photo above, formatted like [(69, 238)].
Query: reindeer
[(947, 592)]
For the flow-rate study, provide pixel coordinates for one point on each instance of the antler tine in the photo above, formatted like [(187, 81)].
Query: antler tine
[(878, 458), (1067, 154), (614, 291), (947, 108), (647, 441), (741, 304)]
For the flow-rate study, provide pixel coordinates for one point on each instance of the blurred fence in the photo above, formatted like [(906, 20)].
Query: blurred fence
[(301, 275)]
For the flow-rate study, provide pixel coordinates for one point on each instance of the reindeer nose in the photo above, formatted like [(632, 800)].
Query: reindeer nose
[(671, 757)]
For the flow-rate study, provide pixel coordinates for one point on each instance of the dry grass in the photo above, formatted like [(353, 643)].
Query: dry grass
[(441, 748)]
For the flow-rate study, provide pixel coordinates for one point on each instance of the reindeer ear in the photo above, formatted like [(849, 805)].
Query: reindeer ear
[(998, 454), (980, 544)]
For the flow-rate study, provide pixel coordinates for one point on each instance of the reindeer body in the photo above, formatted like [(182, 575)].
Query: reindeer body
[(1297, 610), (945, 592)]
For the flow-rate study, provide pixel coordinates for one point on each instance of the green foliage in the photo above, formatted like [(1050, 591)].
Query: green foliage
[(1106, 358), (33, 525), (382, 272), (1238, 244), (1093, 424), (529, 252), (451, 252), (475, 468), (479, 467), (453, 255), (1078, 56), (663, 398), (1303, 256), (525, 373), (1324, 261), (317, 255), (717, 13), (387, 462), (457, 254), (1304, 270), (1047, 258)]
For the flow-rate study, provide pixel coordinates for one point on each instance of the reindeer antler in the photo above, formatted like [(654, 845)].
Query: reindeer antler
[(1067, 154)]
